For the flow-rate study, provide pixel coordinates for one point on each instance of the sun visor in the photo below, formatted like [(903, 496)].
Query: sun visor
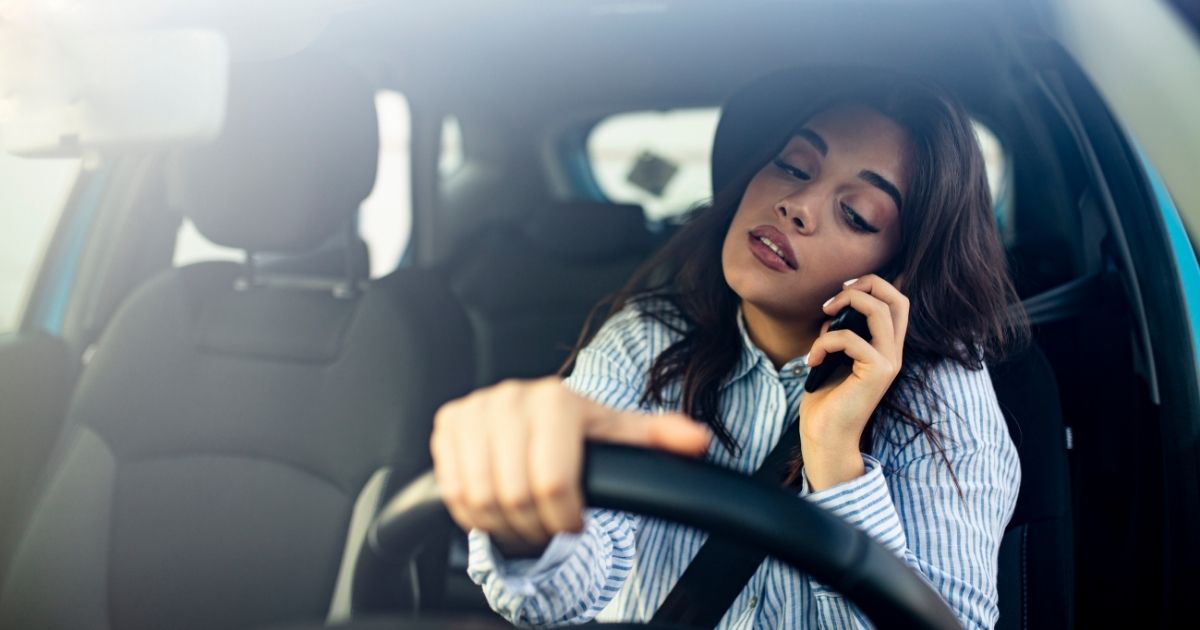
[(104, 92)]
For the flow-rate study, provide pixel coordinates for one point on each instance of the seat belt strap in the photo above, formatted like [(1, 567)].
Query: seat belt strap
[(722, 568)]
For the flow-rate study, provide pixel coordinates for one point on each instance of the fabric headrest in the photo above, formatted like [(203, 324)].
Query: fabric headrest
[(297, 156), (588, 231), (758, 119)]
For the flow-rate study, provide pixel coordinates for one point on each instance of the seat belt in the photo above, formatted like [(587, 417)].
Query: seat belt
[(722, 568)]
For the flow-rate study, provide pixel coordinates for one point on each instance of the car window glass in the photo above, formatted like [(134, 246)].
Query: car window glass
[(660, 160), (385, 217), (33, 193), (999, 174)]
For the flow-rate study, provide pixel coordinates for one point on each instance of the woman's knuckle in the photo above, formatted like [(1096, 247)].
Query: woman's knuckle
[(553, 488), (444, 415), (483, 502), (549, 390), (515, 501), (453, 496)]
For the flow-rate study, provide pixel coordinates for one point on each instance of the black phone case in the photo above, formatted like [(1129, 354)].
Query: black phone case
[(847, 318)]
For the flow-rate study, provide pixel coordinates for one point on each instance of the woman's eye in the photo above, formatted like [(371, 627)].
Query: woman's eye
[(856, 222), (791, 170)]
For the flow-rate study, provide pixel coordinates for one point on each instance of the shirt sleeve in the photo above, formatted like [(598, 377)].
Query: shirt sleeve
[(578, 574), (912, 504)]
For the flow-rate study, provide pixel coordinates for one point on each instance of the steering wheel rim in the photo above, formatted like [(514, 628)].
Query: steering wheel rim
[(703, 495)]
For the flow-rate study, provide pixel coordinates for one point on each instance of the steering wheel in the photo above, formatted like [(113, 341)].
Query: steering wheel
[(695, 493)]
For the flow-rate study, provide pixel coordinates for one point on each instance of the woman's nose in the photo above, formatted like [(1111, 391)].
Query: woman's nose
[(797, 212)]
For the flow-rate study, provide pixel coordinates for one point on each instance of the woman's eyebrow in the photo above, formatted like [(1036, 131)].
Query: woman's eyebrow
[(878, 181), (814, 139)]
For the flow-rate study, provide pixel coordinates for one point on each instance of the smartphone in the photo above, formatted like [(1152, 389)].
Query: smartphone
[(846, 319)]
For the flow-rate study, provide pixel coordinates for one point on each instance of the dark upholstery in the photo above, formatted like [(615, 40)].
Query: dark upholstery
[(528, 288), (221, 432), (1036, 555)]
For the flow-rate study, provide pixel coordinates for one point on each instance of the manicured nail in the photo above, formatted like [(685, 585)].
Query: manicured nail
[(849, 282), (827, 302)]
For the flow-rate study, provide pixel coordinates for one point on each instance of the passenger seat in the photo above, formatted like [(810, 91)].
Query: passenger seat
[(232, 414), (528, 288)]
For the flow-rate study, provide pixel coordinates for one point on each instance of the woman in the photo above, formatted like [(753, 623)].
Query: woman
[(707, 349)]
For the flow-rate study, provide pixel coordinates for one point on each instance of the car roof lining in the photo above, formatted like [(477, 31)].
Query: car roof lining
[(572, 57)]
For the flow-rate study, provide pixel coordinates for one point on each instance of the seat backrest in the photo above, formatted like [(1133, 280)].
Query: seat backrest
[(1036, 574), (528, 287), (228, 419)]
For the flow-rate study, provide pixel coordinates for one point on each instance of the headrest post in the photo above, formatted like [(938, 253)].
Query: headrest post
[(249, 276), (349, 288)]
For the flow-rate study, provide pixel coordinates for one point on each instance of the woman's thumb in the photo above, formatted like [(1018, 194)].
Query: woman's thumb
[(673, 432)]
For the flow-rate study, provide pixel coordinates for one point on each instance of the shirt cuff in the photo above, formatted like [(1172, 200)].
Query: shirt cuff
[(519, 574), (866, 503)]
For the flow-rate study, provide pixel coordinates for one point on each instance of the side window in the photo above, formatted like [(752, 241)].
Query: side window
[(33, 193), (657, 159), (385, 217), (661, 161), (999, 174)]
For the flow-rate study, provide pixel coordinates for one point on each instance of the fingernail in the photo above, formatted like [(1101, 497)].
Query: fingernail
[(827, 302), (849, 282)]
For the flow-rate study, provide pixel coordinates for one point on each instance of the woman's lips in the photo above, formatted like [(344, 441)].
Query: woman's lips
[(779, 258)]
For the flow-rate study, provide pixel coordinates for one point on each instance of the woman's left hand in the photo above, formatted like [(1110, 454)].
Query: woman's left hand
[(833, 418)]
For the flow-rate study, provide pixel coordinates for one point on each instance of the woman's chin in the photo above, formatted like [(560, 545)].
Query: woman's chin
[(781, 310), (777, 305)]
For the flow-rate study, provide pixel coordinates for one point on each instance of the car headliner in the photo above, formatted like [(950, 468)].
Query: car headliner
[(624, 56)]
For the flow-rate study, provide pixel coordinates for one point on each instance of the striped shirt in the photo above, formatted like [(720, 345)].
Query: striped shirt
[(622, 566)]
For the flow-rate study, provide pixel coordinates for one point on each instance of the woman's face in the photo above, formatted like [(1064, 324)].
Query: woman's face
[(825, 210)]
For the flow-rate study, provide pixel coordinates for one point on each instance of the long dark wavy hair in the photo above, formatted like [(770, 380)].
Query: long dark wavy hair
[(963, 306)]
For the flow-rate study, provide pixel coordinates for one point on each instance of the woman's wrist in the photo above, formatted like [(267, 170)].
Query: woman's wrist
[(826, 467)]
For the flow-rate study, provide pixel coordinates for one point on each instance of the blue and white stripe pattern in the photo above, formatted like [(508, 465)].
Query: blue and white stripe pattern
[(621, 567)]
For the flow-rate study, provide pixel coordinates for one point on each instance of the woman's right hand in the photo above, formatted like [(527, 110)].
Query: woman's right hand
[(508, 458)]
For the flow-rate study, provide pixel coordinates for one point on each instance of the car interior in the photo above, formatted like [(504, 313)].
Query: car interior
[(215, 438)]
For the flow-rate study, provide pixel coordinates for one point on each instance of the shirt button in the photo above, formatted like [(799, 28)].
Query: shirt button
[(753, 602)]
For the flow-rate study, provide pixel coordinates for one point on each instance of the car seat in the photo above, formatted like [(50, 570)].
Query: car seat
[(528, 287), (231, 414)]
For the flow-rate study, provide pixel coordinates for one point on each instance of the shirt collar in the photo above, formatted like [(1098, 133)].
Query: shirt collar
[(753, 356)]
